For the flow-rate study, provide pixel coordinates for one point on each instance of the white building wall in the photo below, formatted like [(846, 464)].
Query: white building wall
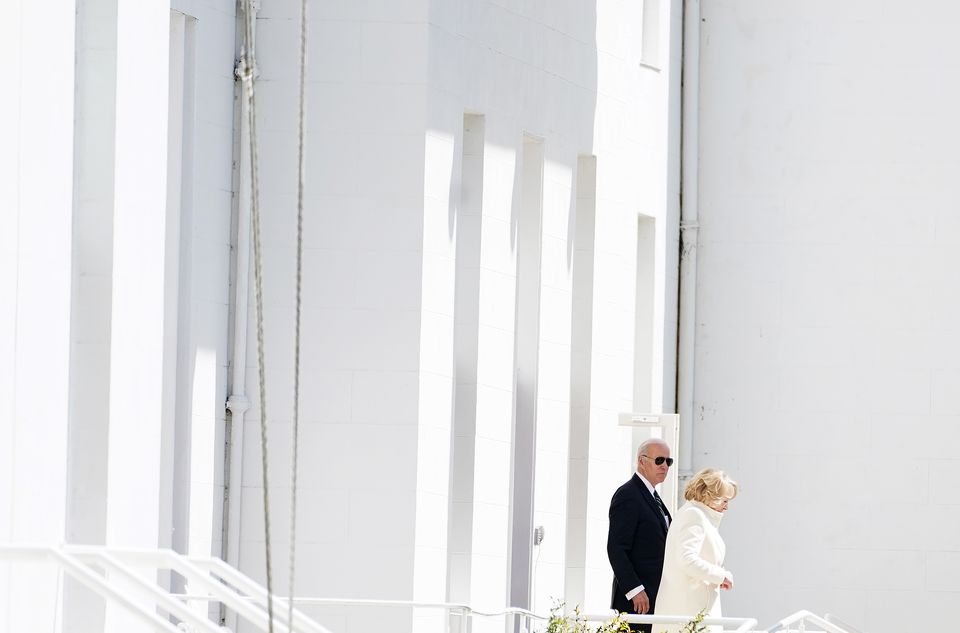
[(36, 195), (514, 73), (206, 206), (827, 365), (386, 197), (409, 428), (93, 249), (364, 251), (389, 87), (550, 474), (633, 185), (73, 330), (171, 235), (140, 288), (826, 316)]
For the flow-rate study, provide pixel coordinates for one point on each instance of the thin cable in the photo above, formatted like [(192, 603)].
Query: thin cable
[(247, 77), (301, 178)]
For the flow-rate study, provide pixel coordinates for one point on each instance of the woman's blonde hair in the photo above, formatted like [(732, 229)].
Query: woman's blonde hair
[(709, 484)]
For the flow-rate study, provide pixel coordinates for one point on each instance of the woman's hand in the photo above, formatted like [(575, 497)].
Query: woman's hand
[(727, 583)]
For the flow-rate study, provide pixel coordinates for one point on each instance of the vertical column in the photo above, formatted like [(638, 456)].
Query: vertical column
[(177, 447), (435, 376), (185, 437), (90, 354), (37, 199), (650, 35), (581, 343), (140, 280), (526, 363), (553, 381), (197, 389), (493, 449), (175, 451), (644, 367), (11, 34), (466, 332)]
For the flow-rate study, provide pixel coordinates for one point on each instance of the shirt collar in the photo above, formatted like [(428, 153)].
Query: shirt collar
[(646, 483)]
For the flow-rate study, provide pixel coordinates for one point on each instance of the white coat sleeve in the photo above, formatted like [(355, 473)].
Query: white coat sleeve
[(691, 540)]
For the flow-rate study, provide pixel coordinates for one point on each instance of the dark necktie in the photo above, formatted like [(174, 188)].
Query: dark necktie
[(663, 508)]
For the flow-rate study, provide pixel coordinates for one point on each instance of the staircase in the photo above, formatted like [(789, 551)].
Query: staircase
[(126, 578)]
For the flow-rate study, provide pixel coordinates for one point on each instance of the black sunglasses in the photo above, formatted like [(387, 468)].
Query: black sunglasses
[(659, 460)]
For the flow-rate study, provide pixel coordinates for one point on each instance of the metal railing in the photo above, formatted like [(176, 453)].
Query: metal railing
[(117, 574), (832, 619), (462, 612), (729, 624), (737, 625), (801, 618)]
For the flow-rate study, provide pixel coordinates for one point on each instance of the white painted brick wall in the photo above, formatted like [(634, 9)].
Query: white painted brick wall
[(389, 88), (827, 330), (36, 197)]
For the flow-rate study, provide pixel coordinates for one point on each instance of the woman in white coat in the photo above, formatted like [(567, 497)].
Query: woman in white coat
[(693, 572)]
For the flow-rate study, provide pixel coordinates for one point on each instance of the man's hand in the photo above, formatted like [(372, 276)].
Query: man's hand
[(727, 583), (641, 603)]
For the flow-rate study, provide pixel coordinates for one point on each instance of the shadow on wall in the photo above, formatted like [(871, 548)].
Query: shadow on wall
[(428, 126), (517, 92)]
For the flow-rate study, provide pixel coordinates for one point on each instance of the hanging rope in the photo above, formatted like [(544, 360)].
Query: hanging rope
[(247, 78), (301, 177)]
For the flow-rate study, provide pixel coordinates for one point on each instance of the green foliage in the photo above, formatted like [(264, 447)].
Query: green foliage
[(696, 624), (561, 622), (616, 625)]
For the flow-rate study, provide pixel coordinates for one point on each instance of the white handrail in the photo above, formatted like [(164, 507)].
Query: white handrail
[(256, 593), (832, 619), (743, 625), (452, 606), (171, 560), (806, 615), (463, 610), (174, 607), (87, 578), (221, 583)]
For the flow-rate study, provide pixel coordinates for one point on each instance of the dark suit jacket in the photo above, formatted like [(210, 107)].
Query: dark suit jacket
[(635, 543)]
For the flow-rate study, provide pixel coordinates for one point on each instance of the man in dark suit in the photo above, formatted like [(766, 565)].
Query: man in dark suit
[(638, 533)]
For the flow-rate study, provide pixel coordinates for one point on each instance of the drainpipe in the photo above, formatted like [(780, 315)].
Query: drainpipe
[(689, 231), (237, 401)]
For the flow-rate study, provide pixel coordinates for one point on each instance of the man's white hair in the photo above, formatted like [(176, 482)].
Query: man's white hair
[(650, 442)]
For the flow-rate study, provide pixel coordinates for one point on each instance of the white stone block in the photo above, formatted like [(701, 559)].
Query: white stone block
[(382, 519), (553, 423), (390, 281), (494, 419), (493, 487), (368, 390), (495, 357), (554, 372), (322, 515)]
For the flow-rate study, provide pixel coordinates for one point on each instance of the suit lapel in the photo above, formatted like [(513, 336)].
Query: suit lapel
[(651, 502)]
